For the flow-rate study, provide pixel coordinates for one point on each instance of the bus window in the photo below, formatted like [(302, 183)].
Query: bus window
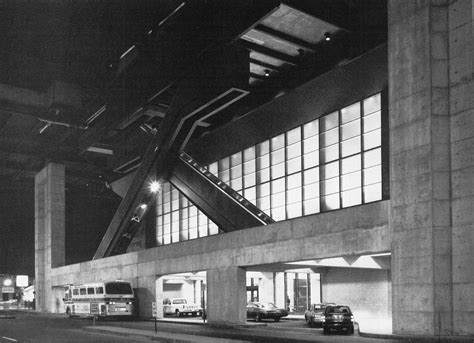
[(90, 290), (82, 291), (75, 291), (118, 288), (99, 290)]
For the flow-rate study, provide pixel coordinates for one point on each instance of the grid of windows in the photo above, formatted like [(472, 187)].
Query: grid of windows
[(329, 163)]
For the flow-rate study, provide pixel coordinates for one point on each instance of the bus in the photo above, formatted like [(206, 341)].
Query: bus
[(100, 299)]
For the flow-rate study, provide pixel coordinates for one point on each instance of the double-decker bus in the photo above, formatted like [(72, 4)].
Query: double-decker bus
[(100, 299)]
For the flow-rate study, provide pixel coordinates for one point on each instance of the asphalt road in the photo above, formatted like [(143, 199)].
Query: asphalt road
[(48, 328)]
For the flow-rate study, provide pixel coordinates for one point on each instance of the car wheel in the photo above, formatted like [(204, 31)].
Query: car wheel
[(258, 318), (351, 331), (178, 314), (277, 319)]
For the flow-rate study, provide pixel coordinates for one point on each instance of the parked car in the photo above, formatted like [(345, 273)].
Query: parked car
[(314, 316), (181, 307), (339, 318), (259, 311)]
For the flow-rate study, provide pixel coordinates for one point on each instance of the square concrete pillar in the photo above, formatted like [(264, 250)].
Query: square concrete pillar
[(49, 231), (430, 72), (226, 296)]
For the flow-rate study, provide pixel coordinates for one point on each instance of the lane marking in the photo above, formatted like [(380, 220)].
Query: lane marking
[(10, 339)]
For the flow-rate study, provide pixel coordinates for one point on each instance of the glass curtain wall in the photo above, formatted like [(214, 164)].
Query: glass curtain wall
[(332, 162)]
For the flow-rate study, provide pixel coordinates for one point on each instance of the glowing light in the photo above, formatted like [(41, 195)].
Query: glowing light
[(143, 206), (7, 282), (154, 186)]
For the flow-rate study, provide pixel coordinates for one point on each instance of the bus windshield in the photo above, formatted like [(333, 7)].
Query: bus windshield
[(118, 288)]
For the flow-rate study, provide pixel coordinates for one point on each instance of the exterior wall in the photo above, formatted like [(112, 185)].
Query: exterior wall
[(431, 141), (365, 291), (352, 231)]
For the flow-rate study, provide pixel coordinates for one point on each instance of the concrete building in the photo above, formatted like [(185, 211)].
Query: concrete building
[(363, 175)]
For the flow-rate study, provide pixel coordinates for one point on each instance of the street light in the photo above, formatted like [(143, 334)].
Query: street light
[(7, 282)]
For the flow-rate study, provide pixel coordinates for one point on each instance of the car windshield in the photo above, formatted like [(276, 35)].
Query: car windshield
[(338, 309), (270, 306)]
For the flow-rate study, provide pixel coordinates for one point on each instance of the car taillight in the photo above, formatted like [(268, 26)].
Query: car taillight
[(352, 318)]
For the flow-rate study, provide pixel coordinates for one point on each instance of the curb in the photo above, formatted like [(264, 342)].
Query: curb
[(419, 339)]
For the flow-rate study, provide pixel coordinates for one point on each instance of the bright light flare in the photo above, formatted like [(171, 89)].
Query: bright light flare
[(154, 186), (143, 206)]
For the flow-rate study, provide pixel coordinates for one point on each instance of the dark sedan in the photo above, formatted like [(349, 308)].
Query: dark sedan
[(338, 318), (259, 311)]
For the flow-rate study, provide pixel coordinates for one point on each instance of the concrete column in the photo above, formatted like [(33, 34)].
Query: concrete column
[(423, 74), (159, 297), (461, 91), (145, 295), (265, 287), (226, 296), (49, 231)]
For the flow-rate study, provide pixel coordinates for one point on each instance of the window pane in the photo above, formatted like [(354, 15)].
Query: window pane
[(350, 181), (224, 175), (329, 137), (213, 229), (278, 199), (278, 142), (311, 206), (263, 162), (236, 172), (236, 184), (330, 153), (293, 195), (249, 154), (351, 164), (293, 165), (373, 175), (263, 203), (372, 158), (263, 190), (372, 104), (330, 202), (249, 167), (224, 164), (330, 186), (278, 156), (311, 191), (311, 175), (278, 170), (167, 239), (193, 232), (294, 181), (278, 213), (372, 139), (250, 194), (330, 170), (235, 159), (373, 192), (293, 150), (350, 130), (350, 113), (311, 144), (311, 129), (351, 198), (294, 210), (293, 136), (175, 236), (249, 180), (311, 159), (350, 147), (263, 148), (278, 186), (213, 168), (329, 121), (372, 122)]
